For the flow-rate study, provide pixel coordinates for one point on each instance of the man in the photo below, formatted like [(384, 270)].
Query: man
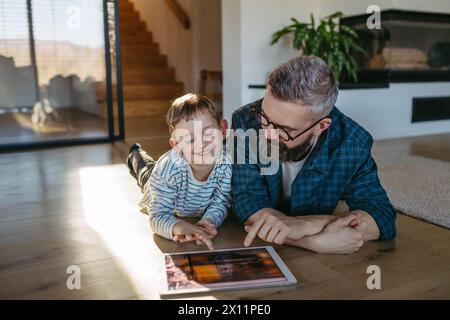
[(324, 157)]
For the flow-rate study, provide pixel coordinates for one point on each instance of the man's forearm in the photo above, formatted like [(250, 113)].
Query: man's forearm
[(326, 241), (306, 230), (310, 243), (308, 225), (304, 225), (315, 222)]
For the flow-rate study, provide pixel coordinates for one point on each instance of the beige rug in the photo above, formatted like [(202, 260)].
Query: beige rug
[(417, 186)]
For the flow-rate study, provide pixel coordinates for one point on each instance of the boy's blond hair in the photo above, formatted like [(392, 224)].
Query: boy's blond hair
[(185, 107)]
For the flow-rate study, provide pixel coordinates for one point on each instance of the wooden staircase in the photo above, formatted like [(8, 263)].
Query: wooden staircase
[(148, 82)]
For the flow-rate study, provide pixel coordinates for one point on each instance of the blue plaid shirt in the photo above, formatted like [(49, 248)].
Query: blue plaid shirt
[(339, 167)]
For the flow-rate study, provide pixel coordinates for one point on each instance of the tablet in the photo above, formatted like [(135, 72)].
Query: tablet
[(229, 269)]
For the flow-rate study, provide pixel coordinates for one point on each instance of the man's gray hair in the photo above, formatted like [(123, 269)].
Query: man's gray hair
[(306, 80)]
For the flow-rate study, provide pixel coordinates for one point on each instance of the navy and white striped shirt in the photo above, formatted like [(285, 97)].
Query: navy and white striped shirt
[(173, 191)]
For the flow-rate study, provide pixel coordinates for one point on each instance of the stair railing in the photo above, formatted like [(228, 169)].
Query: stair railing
[(179, 13)]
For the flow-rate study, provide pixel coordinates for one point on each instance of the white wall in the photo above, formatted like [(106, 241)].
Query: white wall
[(206, 38), (386, 113), (352, 7), (231, 53), (260, 19), (440, 6), (248, 59), (188, 51), (247, 28)]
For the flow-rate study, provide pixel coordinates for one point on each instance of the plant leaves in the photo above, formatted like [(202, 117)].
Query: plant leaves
[(334, 43), (348, 30), (337, 14)]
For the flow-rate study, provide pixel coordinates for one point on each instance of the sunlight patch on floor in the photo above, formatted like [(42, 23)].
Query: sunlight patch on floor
[(110, 197)]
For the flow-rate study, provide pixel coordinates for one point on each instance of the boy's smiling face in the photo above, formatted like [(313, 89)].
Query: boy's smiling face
[(199, 139)]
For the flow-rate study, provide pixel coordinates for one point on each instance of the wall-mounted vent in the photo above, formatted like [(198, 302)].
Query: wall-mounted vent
[(430, 109)]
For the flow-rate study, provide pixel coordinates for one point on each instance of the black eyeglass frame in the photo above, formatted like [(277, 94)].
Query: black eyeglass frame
[(290, 138)]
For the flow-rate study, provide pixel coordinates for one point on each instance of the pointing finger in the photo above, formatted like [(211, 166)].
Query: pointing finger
[(206, 240), (254, 231)]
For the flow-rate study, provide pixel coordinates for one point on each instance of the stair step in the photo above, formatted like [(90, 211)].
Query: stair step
[(125, 7), (149, 84), (147, 91), (128, 15), (132, 27), (142, 108), (132, 30), (125, 4), (148, 107), (142, 37), (132, 61), (148, 75), (146, 49), (171, 90)]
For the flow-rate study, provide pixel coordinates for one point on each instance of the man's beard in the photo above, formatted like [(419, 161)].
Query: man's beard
[(297, 153)]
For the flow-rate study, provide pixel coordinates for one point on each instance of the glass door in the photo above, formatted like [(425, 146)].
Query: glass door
[(59, 73)]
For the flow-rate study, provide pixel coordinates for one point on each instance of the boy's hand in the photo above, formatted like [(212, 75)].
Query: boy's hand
[(184, 231), (208, 227)]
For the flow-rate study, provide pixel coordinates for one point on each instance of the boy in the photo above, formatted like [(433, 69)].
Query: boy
[(193, 179)]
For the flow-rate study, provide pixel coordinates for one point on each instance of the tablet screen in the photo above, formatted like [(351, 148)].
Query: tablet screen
[(221, 269)]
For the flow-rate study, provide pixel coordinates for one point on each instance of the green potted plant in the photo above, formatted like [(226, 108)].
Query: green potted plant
[(331, 41)]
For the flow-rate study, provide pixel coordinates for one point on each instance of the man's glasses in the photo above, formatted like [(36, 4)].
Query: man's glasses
[(283, 134)]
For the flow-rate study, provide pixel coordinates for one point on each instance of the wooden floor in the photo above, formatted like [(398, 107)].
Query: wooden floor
[(66, 123), (74, 123), (77, 206)]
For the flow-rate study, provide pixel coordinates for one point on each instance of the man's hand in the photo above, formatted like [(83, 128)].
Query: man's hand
[(184, 231), (269, 227), (273, 226), (343, 236), (261, 213)]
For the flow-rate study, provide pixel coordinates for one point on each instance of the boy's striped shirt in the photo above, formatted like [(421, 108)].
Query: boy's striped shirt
[(173, 191)]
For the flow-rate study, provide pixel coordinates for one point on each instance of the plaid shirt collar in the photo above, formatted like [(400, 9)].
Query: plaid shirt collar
[(319, 157)]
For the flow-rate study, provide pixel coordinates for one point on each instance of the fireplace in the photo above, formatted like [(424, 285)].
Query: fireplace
[(411, 46)]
